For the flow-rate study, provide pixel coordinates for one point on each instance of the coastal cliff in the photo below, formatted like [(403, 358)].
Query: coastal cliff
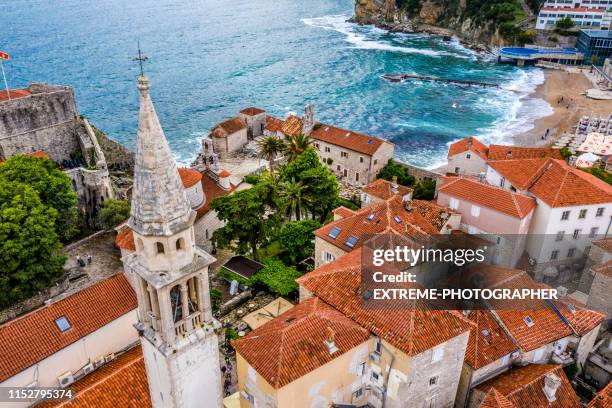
[(482, 22)]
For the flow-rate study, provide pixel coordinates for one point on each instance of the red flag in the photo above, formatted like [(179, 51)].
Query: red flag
[(4, 56)]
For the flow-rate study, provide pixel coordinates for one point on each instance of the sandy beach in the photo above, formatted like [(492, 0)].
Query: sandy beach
[(570, 86)]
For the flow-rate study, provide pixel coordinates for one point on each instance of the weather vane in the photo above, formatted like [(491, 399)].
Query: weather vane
[(140, 58)]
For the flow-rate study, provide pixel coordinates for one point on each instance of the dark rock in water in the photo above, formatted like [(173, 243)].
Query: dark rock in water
[(447, 38)]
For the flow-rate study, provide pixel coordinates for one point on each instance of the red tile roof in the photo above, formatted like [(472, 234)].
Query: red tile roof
[(292, 126), (35, 336), (378, 218), (495, 399), (583, 320), (485, 195), (603, 399), (293, 344), (563, 186), (384, 189), (547, 326), (189, 177), (228, 127), (125, 239), (524, 387), (273, 124), (605, 244), (120, 383), (488, 340), (343, 212), (39, 154), (521, 173), (357, 142), (499, 152), (252, 111), (572, 9), (435, 214), (224, 173), (338, 283), (14, 93), (469, 143)]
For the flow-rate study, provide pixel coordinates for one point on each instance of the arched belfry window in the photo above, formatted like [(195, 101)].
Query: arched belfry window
[(180, 244), (160, 247), (176, 303)]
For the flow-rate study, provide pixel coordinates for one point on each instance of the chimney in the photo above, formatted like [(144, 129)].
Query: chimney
[(224, 179), (469, 143), (330, 340), (551, 385), (394, 181)]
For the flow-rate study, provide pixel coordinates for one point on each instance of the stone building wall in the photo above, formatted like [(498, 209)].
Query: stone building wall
[(322, 246), (225, 146)]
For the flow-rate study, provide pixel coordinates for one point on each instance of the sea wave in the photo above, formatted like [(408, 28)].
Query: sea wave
[(363, 37), (519, 109)]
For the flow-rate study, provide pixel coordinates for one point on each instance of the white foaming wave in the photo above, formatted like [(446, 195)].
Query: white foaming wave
[(517, 108), (360, 41)]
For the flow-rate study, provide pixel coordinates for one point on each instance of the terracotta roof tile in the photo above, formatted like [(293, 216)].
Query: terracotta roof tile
[(547, 326), (39, 154), (120, 383), (603, 399), (252, 111), (605, 268), (35, 336), (583, 320), (524, 387), (273, 124), (562, 186), (488, 340), (499, 152), (338, 283), (435, 214), (384, 189), (357, 142), (125, 239), (376, 219), (343, 212), (469, 143), (292, 126), (605, 244), (189, 177), (496, 399), (228, 127), (14, 93), (513, 204), (521, 173), (293, 344)]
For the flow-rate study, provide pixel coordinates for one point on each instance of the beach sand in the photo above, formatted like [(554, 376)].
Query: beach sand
[(571, 86)]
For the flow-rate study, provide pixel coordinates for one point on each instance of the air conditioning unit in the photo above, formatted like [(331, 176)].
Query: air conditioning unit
[(88, 368), (65, 379), (109, 357)]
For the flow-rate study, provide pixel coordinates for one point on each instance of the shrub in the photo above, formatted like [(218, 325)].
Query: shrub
[(114, 212)]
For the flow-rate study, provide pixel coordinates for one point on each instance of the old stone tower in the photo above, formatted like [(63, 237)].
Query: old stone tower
[(170, 276)]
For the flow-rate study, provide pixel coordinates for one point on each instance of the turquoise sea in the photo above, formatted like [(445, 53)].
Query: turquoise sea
[(210, 58)]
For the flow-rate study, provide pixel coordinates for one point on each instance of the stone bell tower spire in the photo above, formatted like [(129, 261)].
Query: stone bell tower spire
[(170, 276)]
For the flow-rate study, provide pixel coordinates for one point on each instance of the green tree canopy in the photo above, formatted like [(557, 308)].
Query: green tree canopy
[(30, 250), (297, 145), (114, 212), (297, 239), (565, 23), (425, 190), (249, 219), (53, 186), (269, 149), (392, 169), (277, 277), (321, 191)]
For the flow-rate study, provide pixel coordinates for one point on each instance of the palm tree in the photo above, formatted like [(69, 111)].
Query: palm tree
[(292, 195), (269, 148), (297, 145)]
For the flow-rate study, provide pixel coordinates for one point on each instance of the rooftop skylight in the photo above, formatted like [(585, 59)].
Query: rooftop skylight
[(62, 323), (333, 234), (351, 241)]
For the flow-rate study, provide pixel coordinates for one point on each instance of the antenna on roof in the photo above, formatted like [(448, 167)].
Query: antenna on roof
[(140, 58)]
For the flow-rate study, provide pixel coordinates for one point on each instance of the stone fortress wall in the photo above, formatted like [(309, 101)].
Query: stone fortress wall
[(46, 119)]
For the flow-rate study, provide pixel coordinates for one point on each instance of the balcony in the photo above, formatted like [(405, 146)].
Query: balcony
[(186, 325)]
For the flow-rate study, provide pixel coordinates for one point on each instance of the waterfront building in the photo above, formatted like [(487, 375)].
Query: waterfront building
[(169, 274), (229, 136), (585, 16), (595, 43), (63, 341), (501, 216), (330, 350), (382, 190)]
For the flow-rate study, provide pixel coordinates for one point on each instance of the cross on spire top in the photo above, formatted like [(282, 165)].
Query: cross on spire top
[(140, 58)]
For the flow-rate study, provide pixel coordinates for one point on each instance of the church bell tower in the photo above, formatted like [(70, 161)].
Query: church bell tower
[(170, 276)]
